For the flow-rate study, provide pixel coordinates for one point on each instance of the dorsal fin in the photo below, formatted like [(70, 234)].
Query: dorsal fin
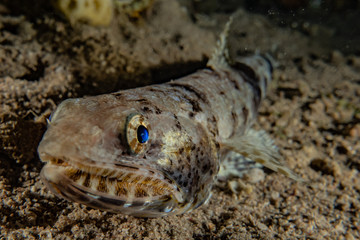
[(220, 56)]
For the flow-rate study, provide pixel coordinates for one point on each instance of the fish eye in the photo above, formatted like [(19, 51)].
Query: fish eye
[(137, 133), (142, 134)]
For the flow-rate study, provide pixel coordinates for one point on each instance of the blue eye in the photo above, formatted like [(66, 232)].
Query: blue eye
[(142, 134), (137, 133)]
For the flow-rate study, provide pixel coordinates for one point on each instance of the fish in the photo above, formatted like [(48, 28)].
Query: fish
[(158, 150)]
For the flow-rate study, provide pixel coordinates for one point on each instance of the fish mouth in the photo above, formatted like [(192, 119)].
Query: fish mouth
[(123, 188)]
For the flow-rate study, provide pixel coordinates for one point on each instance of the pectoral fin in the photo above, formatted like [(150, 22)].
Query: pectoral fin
[(236, 165), (259, 147)]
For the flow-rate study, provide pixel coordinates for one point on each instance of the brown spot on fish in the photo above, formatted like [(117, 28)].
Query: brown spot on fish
[(102, 186), (138, 148), (87, 180), (159, 190), (256, 96), (190, 89), (136, 179), (235, 122), (120, 189), (235, 84), (74, 174), (118, 175), (245, 114), (121, 138), (143, 100), (153, 89), (147, 110), (169, 180), (140, 192), (205, 168), (177, 123), (233, 81), (247, 70), (117, 95), (254, 83), (127, 177), (244, 154), (157, 110), (259, 160), (195, 105), (105, 172), (147, 180)]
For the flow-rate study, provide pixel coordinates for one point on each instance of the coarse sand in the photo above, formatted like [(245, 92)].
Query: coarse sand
[(312, 112)]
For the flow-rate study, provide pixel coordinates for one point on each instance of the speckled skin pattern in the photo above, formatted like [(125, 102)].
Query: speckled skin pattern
[(93, 156)]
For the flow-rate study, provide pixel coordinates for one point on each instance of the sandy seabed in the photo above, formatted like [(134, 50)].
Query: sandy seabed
[(312, 112)]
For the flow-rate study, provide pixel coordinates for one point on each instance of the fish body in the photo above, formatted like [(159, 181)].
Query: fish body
[(157, 150)]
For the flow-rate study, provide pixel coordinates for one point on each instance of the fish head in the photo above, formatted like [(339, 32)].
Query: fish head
[(123, 157)]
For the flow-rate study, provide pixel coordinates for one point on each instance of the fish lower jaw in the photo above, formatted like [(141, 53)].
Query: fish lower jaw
[(128, 193)]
